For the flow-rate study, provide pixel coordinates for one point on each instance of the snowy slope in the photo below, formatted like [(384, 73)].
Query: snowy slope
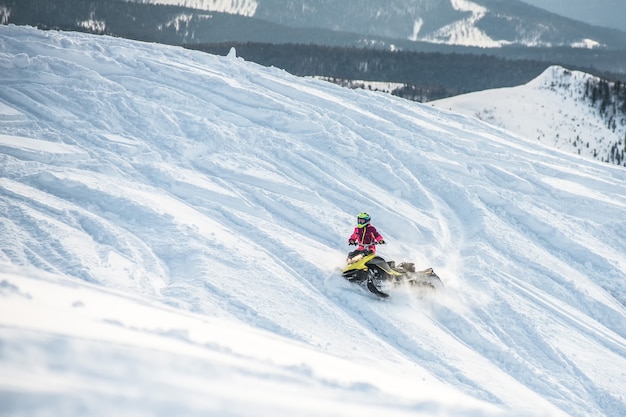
[(174, 225), (551, 109)]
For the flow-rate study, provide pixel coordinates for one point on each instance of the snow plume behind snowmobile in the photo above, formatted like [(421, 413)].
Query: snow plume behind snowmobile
[(368, 269)]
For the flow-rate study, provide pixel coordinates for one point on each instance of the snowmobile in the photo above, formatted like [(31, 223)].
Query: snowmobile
[(366, 268)]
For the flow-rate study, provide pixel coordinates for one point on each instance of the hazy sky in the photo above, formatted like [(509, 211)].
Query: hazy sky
[(609, 13)]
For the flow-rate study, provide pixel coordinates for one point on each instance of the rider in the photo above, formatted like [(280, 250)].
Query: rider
[(365, 234)]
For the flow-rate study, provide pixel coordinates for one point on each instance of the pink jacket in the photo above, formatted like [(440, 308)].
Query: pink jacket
[(366, 235)]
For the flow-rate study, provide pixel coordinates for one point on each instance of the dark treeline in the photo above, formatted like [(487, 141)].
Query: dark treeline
[(610, 99), (441, 74), (425, 75)]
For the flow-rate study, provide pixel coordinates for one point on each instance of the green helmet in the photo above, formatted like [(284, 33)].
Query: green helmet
[(362, 220)]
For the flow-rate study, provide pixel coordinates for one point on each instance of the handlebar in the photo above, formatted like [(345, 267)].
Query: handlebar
[(367, 245)]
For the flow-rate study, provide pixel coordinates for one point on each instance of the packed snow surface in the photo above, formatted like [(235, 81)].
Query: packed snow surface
[(174, 225)]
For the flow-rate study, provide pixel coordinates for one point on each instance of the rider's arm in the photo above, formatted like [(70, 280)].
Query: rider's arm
[(355, 235)]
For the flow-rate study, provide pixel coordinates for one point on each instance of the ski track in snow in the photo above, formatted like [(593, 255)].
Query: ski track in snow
[(226, 191)]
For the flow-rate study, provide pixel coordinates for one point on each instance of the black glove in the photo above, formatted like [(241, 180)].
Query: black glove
[(351, 242), (381, 242)]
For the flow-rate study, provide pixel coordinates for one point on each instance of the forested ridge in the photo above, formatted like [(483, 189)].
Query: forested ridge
[(610, 99), (434, 74)]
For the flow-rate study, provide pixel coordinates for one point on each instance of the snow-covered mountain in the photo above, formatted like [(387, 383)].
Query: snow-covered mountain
[(564, 109), (479, 23), (174, 225)]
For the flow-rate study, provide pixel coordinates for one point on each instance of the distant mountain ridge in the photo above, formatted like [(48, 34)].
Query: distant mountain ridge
[(481, 23), (570, 110)]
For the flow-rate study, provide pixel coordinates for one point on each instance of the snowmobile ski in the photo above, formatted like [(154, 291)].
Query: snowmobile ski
[(374, 289)]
